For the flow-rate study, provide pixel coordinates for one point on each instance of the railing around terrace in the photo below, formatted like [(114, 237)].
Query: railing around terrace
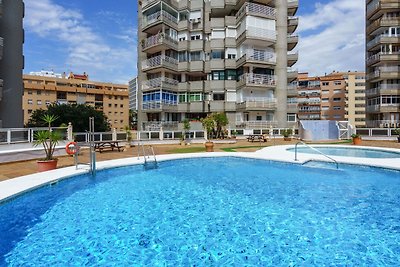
[(371, 7), (267, 57), (158, 61), (157, 82), (258, 79), (256, 9), (159, 16), (264, 103), (158, 104), (24, 135), (159, 39)]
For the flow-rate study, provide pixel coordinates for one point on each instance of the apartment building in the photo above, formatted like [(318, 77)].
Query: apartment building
[(333, 97), (132, 86), (383, 63), (198, 57), (309, 97), (43, 89), (11, 63), (355, 98), (338, 96)]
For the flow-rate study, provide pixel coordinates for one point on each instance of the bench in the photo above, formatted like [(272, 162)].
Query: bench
[(107, 145), (257, 138)]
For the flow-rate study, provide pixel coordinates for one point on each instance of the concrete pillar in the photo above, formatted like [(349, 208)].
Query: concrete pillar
[(281, 62), (114, 134)]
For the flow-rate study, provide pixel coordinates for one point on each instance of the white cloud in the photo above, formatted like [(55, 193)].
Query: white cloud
[(86, 49), (332, 38)]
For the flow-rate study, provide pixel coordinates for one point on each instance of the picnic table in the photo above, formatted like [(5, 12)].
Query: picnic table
[(107, 145), (257, 137)]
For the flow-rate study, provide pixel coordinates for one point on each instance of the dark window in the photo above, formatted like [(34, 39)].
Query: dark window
[(218, 96)]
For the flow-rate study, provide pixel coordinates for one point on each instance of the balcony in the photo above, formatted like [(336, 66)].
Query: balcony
[(383, 108), (159, 42), (159, 17), (384, 89), (160, 105), (292, 74), (251, 58), (254, 9), (1, 47), (161, 82), (382, 39), (293, 23), (292, 39), (383, 22), (160, 62), (256, 124), (261, 80), (292, 58), (257, 104), (146, 3), (390, 72), (257, 36), (378, 7), (293, 5), (156, 125)]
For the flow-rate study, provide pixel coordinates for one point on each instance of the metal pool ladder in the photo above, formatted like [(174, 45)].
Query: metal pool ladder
[(313, 148), (146, 156)]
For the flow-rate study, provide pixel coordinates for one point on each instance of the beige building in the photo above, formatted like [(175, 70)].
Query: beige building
[(338, 96), (198, 57), (45, 88), (355, 98), (383, 63)]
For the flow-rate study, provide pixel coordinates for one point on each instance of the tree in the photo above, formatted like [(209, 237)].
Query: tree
[(214, 124), (77, 114)]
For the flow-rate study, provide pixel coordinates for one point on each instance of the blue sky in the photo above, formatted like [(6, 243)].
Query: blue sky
[(99, 37)]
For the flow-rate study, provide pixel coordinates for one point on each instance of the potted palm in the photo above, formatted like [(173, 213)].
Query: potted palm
[(208, 125), (397, 131), (128, 136), (356, 139), (286, 133), (49, 139)]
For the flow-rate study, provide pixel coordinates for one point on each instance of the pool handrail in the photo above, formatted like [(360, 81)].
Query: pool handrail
[(313, 148)]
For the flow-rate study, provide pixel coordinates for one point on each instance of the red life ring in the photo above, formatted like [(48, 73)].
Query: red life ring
[(71, 148)]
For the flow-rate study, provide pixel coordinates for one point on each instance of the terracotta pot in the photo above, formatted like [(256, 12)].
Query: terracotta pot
[(356, 141), (46, 165), (209, 146)]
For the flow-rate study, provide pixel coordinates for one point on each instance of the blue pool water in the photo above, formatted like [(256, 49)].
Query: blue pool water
[(208, 212), (348, 152)]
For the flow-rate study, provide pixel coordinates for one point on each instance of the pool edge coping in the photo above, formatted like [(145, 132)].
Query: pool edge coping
[(20, 185)]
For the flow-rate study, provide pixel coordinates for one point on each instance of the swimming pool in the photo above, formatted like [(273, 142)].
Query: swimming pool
[(210, 211), (348, 152)]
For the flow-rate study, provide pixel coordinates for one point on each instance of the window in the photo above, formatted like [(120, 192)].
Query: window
[(231, 74), (109, 105), (217, 54), (29, 92), (325, 83), (195, 37), (337, 83), (360, 84), (195, 97), (121, 106), (29, 111), (219, 96), (336, 99), (39, 102), (48, 102), (30, 101), (337, 108), (182, 98), (231, 56), (325, 91), (182, 56), (195, 56), (325, 99), (38, 92), (258, 118), (291, 117), (218, 75)]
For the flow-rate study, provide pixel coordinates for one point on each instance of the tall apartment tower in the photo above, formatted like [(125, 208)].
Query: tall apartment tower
[(11, 63), (132, 87), (383, 63), (198, 57)]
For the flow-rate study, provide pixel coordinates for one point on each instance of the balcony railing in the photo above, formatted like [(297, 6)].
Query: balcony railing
[(159, 16), (259, 33), (158, 104), (159, 39), (258, 79), (157, 82), (156, 125), (256, 9), (159, 61), (260, 57), (371, 7), (259, 103), (256, 124)]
